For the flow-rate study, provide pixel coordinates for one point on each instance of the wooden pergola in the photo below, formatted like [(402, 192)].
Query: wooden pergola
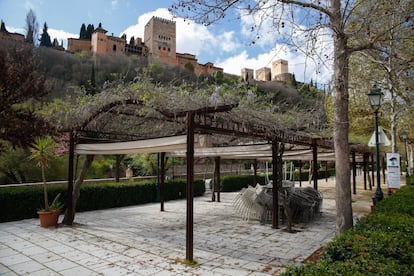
[(214, 121)]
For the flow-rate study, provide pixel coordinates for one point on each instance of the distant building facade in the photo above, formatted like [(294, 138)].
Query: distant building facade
[(15, 37), (79, 45), (103, 44)]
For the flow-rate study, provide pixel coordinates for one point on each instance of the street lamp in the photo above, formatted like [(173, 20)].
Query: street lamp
[(375, 98), (404, 137)]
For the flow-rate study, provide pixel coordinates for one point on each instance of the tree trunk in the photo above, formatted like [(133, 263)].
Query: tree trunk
[(45, 196), (118, 161), (343, 197), (76, 189)]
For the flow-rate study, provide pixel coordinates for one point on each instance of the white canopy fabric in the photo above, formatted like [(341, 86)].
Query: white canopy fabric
[(165, 144), (176, 146)]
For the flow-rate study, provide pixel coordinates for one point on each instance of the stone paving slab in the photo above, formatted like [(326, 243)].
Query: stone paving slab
[(141, 240)]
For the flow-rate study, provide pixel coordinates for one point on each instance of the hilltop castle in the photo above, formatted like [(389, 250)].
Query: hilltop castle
[(159, 46)]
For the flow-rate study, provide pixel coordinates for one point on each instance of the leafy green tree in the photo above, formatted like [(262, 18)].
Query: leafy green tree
[(45, 37), (42, 151), (189, 66), (390, 63), (12, 165), (22, 90)]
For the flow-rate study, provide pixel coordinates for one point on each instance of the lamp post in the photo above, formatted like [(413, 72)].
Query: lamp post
[(404, 137), (375, 98)]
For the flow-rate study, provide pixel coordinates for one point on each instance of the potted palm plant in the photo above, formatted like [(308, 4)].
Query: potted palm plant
[(42, 151)]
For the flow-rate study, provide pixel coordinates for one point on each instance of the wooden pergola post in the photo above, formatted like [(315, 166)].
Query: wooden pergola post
[(190, 182), (216, 189), (364, 166), (315, 165), (276, 178), (254, 172), (353, 172), (69, 201), (162, 180)]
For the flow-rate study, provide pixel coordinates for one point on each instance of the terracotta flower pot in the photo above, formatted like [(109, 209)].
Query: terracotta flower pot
[(49, 218)]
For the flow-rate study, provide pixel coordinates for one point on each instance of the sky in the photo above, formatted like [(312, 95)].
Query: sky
[(227, 43)]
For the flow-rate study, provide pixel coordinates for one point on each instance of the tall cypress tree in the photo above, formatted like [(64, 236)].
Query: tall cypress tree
[(132, 41), (82, 33), (45, 38), (3, 27), (89, 31)]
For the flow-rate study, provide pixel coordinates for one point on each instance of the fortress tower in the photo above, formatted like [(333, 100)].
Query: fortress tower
[(160, 38), (279, 67), (263, 74), (247, 74), (280, 71)]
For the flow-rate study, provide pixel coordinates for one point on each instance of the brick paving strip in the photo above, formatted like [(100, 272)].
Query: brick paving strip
[(141, 240)]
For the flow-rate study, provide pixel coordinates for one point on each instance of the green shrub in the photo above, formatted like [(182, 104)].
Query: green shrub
[(381, 243), (410, 180), (24, 201), (233, 183)]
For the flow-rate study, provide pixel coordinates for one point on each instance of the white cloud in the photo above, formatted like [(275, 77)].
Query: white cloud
[(61, 36), (16, 30), (227, 42)]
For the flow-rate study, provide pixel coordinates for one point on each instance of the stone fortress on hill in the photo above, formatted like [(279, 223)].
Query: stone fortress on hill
[(159, 46)]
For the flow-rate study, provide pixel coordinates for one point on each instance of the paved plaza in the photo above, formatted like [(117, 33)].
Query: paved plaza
[(141, 240)]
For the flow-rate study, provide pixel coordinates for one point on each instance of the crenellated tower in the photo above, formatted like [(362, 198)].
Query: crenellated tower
[(160, 38)]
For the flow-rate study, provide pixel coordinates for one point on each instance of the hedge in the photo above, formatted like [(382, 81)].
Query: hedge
[(410, 180), (233, 183), (24, 201), (381, 243)]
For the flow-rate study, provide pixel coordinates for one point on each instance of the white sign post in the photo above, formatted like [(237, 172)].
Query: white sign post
[(393, 170)]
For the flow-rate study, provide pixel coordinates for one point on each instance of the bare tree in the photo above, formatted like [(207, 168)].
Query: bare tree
[(308, 21), (392, 62), (32, 27)]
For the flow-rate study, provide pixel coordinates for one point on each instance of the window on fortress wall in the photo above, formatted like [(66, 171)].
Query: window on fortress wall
[(169, 50), (114, 48), (159, 48)]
